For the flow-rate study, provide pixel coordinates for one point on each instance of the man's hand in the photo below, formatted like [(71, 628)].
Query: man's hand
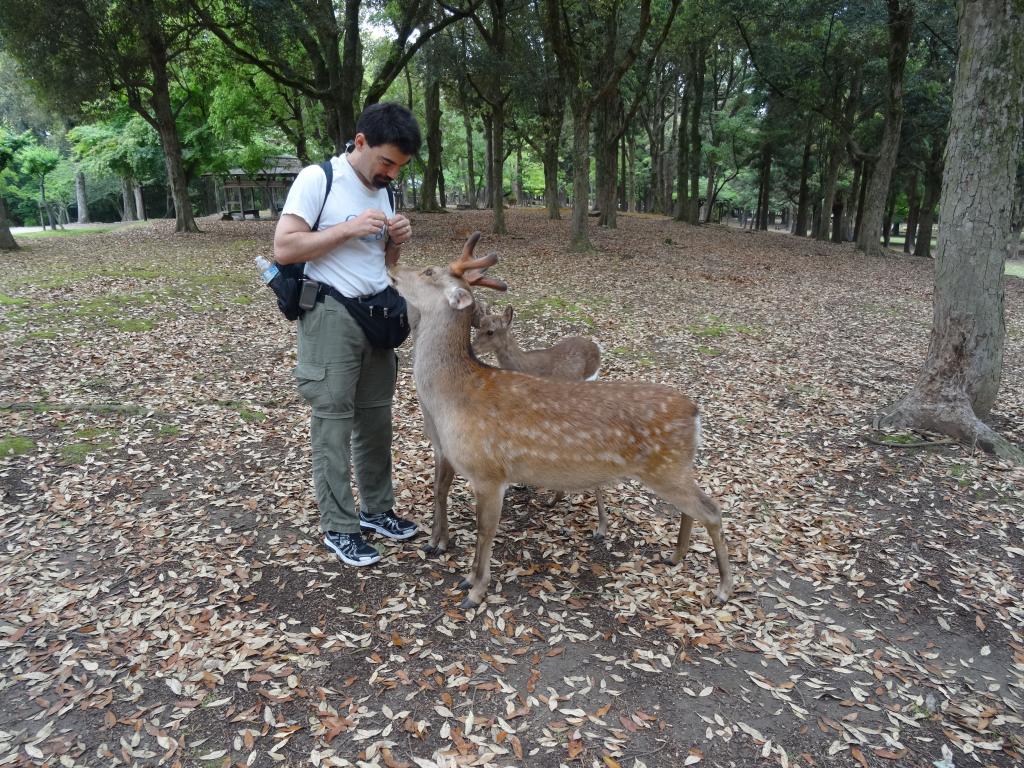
[(400, 229), (369, 222)]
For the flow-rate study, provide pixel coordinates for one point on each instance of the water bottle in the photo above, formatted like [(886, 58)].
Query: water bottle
[(268, 269)]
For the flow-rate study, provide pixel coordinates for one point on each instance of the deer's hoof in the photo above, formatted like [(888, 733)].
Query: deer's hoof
[(666, 560), (432, 550), (466, 584), (468, 603), (598, 536)]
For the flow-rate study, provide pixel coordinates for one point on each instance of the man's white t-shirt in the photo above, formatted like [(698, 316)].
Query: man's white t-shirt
[(356, 267)]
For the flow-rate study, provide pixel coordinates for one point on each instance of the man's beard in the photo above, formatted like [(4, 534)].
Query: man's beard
[(381, 181)]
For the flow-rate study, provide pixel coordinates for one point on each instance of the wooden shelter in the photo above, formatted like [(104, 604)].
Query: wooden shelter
[(241, 193)]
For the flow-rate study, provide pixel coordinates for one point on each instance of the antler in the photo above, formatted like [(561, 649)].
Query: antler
[(472, 269)]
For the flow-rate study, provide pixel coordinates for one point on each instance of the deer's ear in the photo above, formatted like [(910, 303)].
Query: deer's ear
[(507, 315), (458, 297)]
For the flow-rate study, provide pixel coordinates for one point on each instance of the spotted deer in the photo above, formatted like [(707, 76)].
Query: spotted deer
[(573, 358), (496, 427)]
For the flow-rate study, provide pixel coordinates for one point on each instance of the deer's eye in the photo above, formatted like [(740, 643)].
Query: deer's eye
[(428, 272), (490, 333)]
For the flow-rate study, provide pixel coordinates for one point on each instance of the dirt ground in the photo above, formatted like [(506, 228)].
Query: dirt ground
[(165, 600)]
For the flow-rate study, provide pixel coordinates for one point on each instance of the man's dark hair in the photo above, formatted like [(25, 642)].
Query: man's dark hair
[(390, 123)]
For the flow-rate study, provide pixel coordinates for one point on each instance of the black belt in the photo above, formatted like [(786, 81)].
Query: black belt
[(334, 293)]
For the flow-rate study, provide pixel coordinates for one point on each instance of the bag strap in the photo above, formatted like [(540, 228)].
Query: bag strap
[(328, 170)]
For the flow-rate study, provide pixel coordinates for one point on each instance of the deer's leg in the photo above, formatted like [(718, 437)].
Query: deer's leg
[(602, 516), (489, 498), (693, 504), (714, 526), (444, 473)]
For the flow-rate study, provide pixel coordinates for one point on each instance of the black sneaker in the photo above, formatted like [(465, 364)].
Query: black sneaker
[(351, 548), (388, 524)]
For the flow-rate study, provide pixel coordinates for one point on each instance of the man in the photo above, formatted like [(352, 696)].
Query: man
[(349, 383)]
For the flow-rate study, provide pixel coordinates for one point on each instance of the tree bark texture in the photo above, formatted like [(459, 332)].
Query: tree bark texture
[(432, 118), (7, 242), (901, 22), (804, 196), (470, 170), (498, 172), (699, 63), (961, 375), (913, 213), (80, 198)]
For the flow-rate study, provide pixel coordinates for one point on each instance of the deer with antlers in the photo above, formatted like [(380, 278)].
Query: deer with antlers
[(497, 427)]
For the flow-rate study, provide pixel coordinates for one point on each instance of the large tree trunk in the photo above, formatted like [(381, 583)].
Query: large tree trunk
[(127, 200), (467, 123), (804, 196), (607, 122), (683, 159), (498, 172), (7, 242), (829, 188), (630, 150), (488, 192), (140, 203), (901, 18), (764, 199), (580, 238), (432, 117), (693, 216), (960, 379), (83, 203), (926, 214), (550, 160)]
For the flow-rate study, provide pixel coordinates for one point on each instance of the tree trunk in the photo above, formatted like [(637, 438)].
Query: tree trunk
[(83, 203), (711, 193), (607, 119), (850, 212), (630, 175), (890, 209), (960, 379), (550, 161), (913, 213), (127, 200), (859, 218), (683, 159), (804, 196), (498, 172), (7, 242), (432, 118), (467, 123), (932, 192), (695, 150), (580, 239), (140, 202), (488, 121), (829, 189), (901, 21)]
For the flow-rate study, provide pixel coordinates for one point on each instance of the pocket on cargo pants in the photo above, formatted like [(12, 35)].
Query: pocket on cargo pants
[(330, 390)]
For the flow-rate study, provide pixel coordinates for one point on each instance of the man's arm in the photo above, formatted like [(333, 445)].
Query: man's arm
[(295, 243)]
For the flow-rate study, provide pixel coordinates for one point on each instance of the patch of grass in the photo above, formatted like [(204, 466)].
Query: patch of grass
[(898, 438), (133, 326), (43, 335), (15, 446), (1015, 269), (90, 433), (11, 301), (242, 299), (169, 430), (76, 232), (251, 416), (959, 473), (75, 453), (714, 328), (709, 351), (559, 309)]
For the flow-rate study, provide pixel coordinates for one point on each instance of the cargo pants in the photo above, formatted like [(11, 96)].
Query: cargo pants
[(349, 385)]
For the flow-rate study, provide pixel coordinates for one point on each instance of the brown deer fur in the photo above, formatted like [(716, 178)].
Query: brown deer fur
[(574, 358), (496, 427)]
